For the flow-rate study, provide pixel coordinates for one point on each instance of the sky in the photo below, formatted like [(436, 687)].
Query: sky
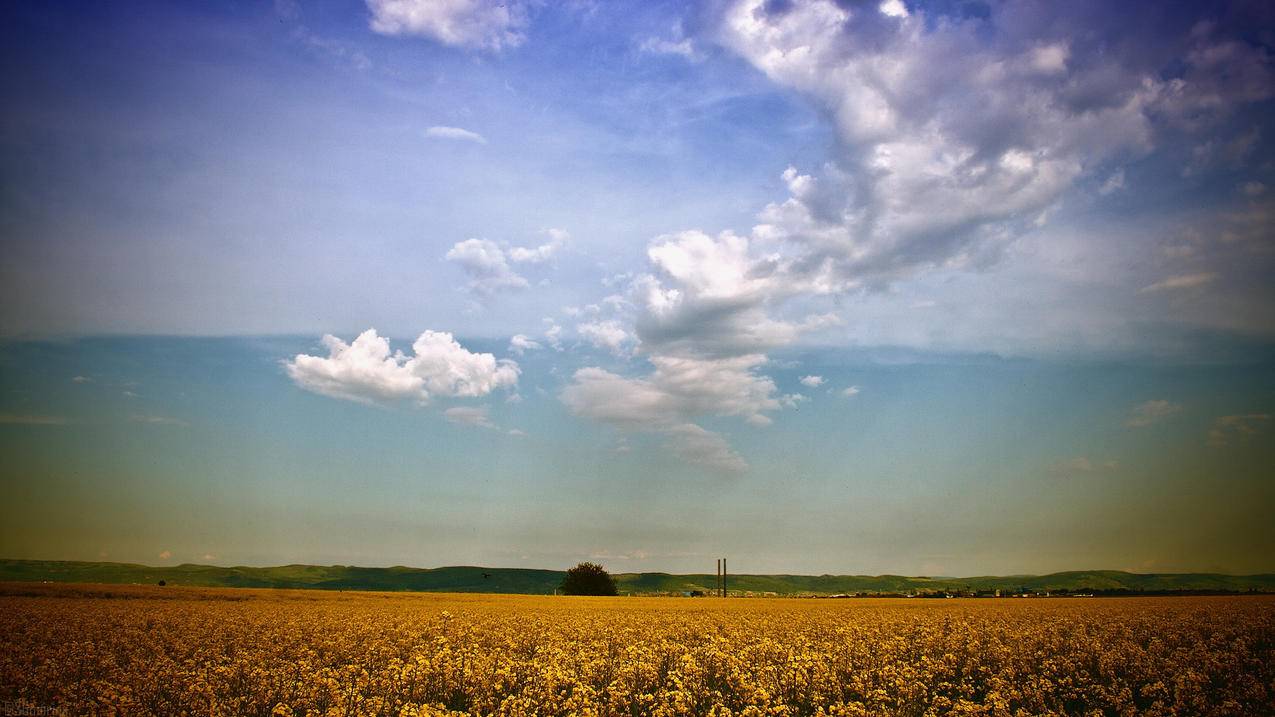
[(941, 288)]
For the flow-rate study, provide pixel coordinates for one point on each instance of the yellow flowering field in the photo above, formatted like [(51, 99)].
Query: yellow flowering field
[(190, 651)]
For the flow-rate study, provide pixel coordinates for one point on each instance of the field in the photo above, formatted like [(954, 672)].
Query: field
[(151, 650)]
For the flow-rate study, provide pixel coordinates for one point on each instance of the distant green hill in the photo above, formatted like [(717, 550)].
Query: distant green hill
[(542, 582)]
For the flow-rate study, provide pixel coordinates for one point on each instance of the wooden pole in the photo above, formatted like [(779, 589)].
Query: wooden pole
[(723, 577)]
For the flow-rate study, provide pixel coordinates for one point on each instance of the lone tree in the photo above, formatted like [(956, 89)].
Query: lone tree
[(588, 579)]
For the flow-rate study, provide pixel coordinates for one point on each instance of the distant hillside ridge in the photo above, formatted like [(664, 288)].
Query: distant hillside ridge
[(474, 579)]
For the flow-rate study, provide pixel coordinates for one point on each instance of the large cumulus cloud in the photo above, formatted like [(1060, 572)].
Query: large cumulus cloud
[(367, 371)]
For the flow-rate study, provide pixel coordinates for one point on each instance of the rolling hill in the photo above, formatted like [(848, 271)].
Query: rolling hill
[(543, 582)]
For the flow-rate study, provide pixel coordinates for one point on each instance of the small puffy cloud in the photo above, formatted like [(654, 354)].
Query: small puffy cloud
[(165, 554), (517, 432), (893, 8), (458, 133), (208, 556), (607, 334), (485, 263), (520, 344), (553, 334), (469, 416), (1253, 189), (535, 255), (812, 381), (81, 379), (481, 24), (1228, 428), (1180, 282), (1149, 412), (366, 370), (851, 392)]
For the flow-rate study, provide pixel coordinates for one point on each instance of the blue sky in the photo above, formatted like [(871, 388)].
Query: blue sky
[(938, 288)]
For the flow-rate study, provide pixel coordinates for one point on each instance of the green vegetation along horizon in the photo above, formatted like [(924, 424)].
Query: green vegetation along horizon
[(477, 579)]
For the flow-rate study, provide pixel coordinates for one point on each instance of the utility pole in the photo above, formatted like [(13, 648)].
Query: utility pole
[(717, 586), (723, 577)]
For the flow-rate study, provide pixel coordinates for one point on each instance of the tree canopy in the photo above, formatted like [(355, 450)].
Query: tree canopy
[(588, 579)]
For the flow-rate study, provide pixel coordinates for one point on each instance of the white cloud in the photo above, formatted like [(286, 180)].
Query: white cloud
[(81, 379), (157, 420), (1050, 59), (1113, 183), (701, 321), (553, 334), (469, 416), (482, 24), (893, 8), (208, 556), (557, 239), (457, 133), (485, 263), (1227, 428), (1149, 412), (812, 381), (678, 390), (165, 554), (607, 334), (521, 344), (1183, 281), (660, 46), (954, 141), (710, 295), (366, 371)]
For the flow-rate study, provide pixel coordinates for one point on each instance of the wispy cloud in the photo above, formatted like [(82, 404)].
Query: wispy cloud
[(1149, 412), (661, 46), (1241, 426), (475, 416), (157, 420), (1182, 281), (456, 133)]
